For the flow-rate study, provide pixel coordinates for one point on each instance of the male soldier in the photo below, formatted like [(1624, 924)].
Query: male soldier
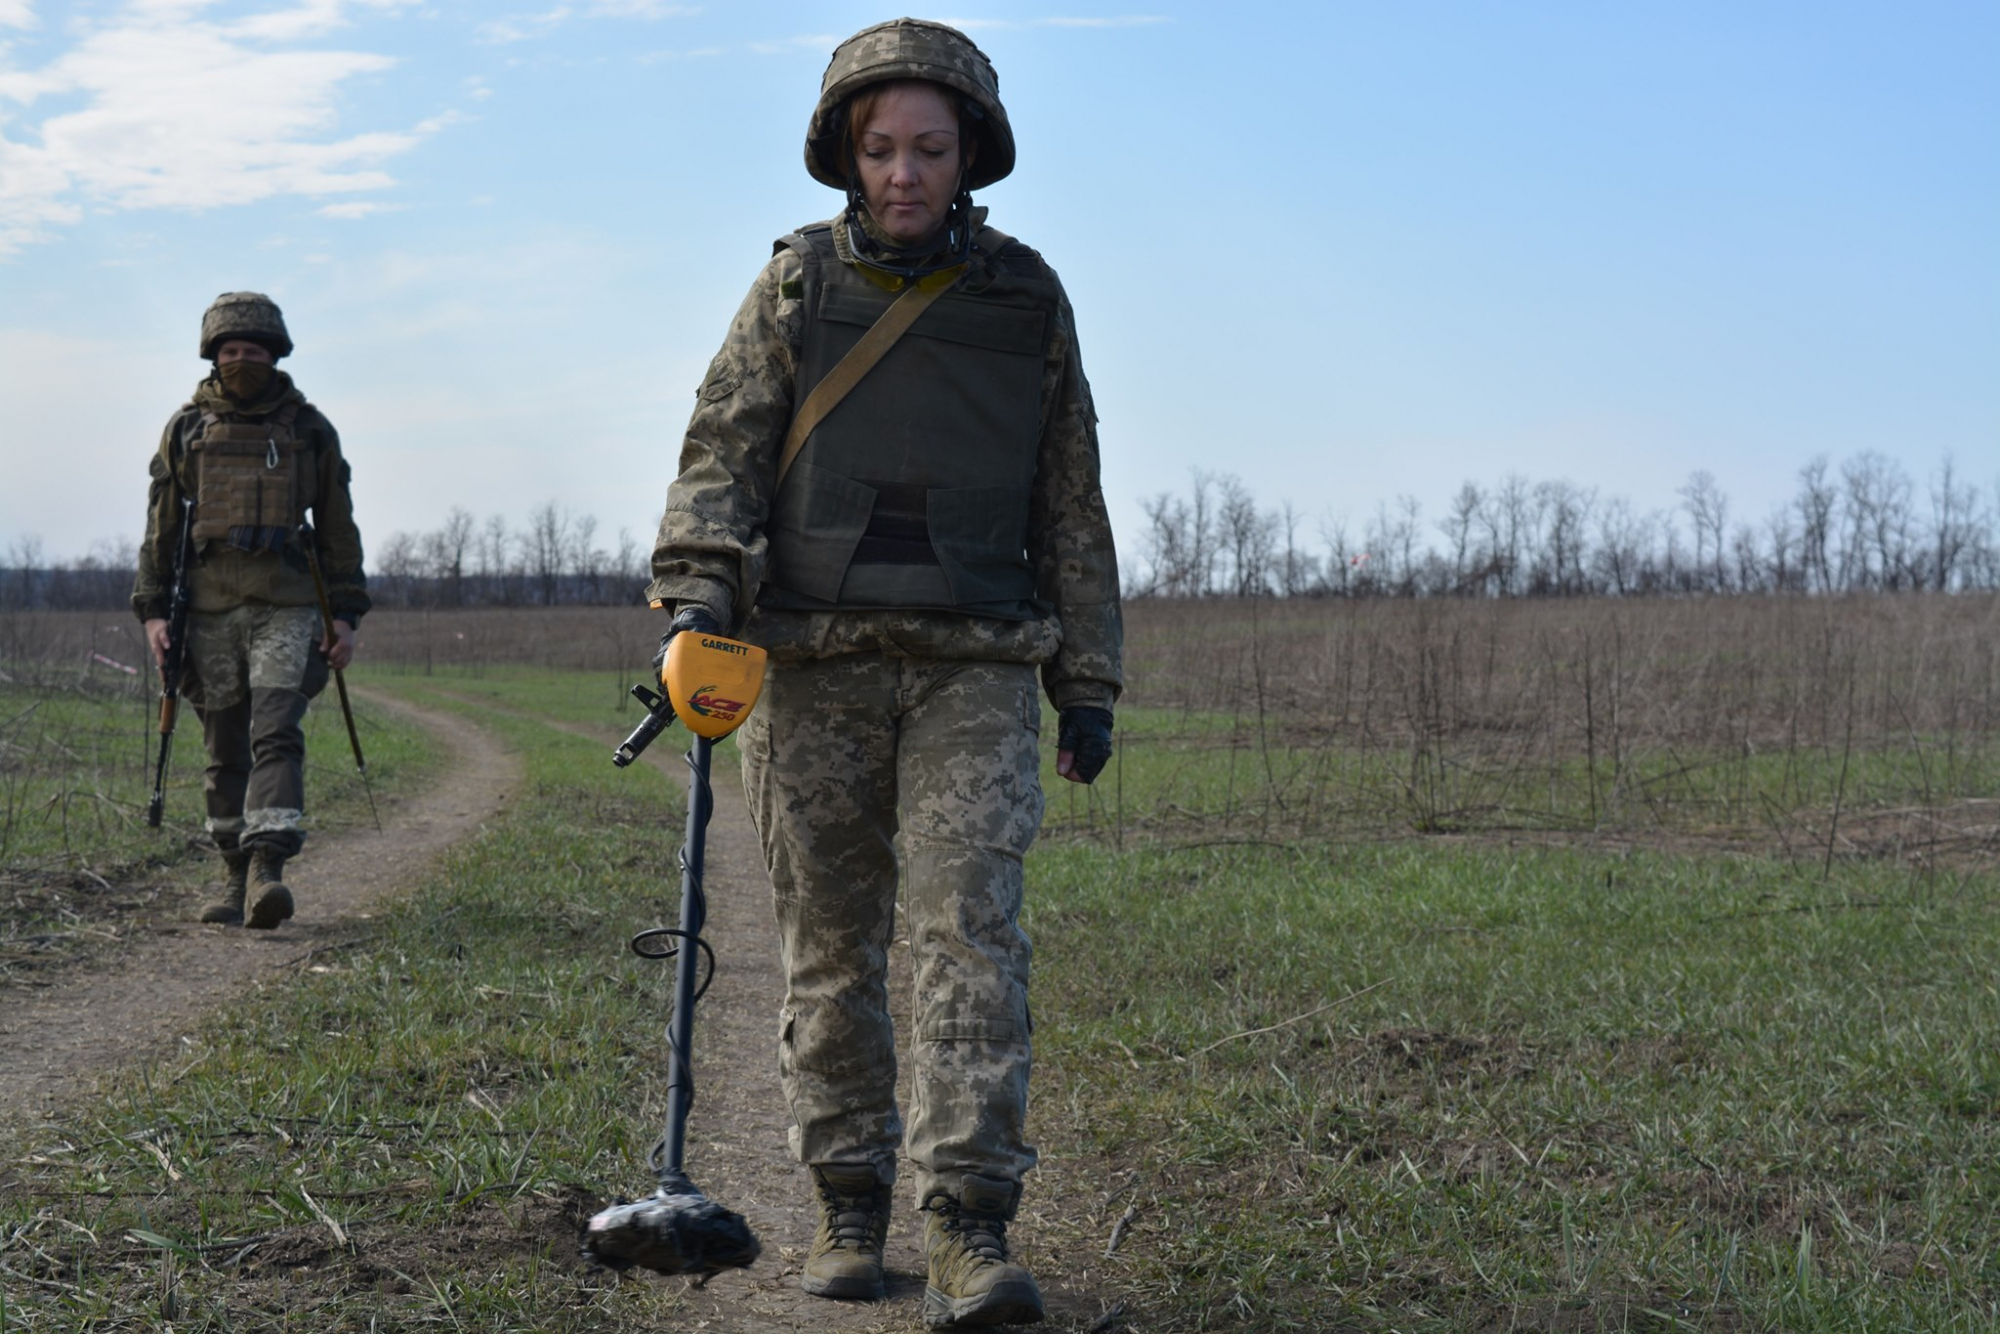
[(254, 457)]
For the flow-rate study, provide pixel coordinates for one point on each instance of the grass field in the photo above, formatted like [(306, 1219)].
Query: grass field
[(1678, 1021)]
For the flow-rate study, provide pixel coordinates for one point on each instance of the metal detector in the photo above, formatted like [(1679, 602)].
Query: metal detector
[(710, 685)]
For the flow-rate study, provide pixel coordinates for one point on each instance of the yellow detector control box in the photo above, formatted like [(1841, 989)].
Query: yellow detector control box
[(712, 682)]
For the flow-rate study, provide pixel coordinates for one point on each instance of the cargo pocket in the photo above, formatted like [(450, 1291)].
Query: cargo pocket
[(937, 1027)]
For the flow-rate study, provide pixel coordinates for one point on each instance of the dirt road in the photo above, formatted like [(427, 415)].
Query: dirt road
[(138, 1003)]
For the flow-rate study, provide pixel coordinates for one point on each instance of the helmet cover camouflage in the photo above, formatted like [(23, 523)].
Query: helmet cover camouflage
[(909, 49), (251, 316)]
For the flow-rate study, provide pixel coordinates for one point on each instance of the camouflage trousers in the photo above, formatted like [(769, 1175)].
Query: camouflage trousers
[(250, 672), (847, 762)]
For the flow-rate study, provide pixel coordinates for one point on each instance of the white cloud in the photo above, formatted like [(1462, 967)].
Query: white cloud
[(17, 14), (432, 124), (180, 113), (309, 18), (522, 27), (359, 208)]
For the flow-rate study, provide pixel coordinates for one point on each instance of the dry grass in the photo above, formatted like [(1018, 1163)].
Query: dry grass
[(1816, 729)]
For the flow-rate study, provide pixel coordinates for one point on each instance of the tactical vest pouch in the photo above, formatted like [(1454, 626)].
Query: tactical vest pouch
[(816, 523), (976, 531), (252, 483)]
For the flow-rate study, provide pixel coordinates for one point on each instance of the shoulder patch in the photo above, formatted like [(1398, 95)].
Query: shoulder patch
[(791, 289), (720, 384)]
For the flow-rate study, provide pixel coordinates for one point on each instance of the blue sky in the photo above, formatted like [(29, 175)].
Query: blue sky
[(1345, 252)]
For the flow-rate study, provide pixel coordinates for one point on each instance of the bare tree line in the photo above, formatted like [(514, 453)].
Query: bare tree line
[(102, 578), (556, 559), (1863, 526)]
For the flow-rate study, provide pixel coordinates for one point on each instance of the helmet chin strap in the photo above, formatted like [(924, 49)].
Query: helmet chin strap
[(956, 237)]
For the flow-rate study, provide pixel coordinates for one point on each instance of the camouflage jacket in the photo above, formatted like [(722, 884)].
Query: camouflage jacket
[(224, 577), (712, 548)]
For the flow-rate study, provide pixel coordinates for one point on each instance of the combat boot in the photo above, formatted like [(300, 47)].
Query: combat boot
[(846, 1255), (972, 1281), (228, 910), (274, 901)]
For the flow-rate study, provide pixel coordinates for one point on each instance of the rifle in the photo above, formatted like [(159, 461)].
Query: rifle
[(174, 664), (310, 542)]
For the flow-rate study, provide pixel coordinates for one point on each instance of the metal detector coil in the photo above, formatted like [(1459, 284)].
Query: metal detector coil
[(712, 682)]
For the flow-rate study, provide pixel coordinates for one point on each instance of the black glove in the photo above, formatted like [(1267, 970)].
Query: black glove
[(1085, 732), (694, 617)]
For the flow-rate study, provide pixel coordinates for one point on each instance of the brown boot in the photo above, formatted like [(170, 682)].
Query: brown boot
[(228, 910), (846, 1255), (274, 901), (972, 1280)]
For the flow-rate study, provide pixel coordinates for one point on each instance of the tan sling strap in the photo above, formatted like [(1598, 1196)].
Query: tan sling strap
[(849, 371)]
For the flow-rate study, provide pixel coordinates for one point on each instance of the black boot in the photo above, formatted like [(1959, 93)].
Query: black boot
[(274, 901), (228, 910)]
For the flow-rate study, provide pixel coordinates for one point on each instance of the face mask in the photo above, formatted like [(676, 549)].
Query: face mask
[(245, 381)]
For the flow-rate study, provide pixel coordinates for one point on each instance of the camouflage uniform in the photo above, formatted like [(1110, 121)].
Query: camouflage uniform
[(253, 626), (916, 724)]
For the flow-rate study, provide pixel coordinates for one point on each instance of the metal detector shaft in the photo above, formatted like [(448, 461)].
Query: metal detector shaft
[(679, 1230), (694, 914)]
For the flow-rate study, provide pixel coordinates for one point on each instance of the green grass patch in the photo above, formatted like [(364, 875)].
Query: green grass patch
[(1447, 1087), (454, 1086), (586, 698)]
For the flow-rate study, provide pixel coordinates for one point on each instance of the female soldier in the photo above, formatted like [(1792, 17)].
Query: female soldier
[(910, 533)]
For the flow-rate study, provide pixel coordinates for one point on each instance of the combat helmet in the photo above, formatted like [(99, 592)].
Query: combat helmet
[(910, 49), (251, 316)]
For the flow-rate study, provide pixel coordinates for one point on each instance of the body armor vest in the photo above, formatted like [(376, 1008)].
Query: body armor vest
[(252, 480), (914, 491)]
